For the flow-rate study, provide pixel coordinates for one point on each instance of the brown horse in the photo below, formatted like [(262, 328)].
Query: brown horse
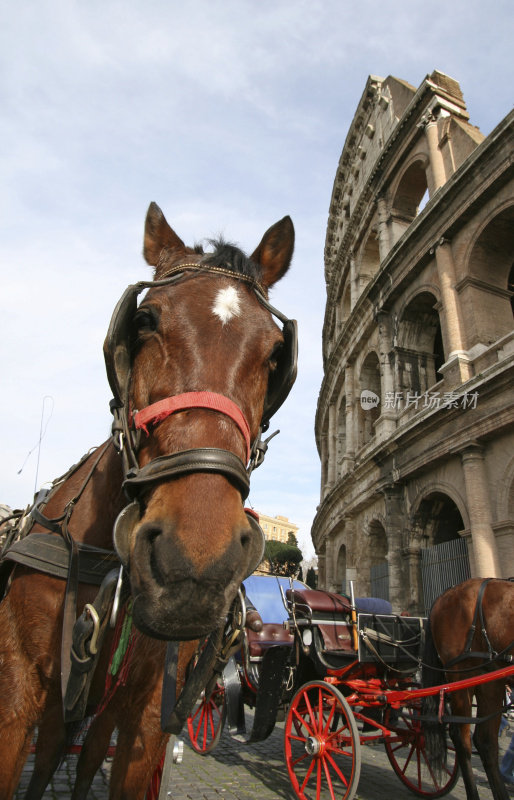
[(471, 631), (196, 371)]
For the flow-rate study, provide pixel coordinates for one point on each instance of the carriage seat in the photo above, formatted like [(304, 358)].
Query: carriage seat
[(309, 601), (272, 634), (329, 615)]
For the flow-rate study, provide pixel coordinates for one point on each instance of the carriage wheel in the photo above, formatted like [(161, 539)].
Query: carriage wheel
[(406, 752), (322, 745), (205, 724)]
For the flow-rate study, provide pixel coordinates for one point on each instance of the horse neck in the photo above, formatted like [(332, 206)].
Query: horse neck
[(97, 483)]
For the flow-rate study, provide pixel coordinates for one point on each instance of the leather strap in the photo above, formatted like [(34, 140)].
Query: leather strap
[(159, 411), (87, 640), (48, 553), (201, 459)]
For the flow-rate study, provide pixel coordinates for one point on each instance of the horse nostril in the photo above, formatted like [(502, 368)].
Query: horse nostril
[(152, 532)]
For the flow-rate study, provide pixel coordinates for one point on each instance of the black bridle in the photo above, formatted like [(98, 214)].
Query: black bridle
[(200, 459)]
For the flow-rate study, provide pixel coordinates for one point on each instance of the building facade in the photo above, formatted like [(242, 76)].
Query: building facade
[(414, 424), (277, 528)]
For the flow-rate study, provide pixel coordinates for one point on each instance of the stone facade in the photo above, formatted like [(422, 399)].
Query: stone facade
[(414, 423)]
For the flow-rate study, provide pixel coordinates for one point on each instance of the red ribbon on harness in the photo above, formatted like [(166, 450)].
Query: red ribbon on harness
[(156, 412)]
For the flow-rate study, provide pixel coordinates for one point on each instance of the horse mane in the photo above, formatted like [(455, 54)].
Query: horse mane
[(229, 256)]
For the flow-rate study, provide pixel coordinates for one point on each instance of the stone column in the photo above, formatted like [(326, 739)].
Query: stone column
[(383, 232), (387, 420), (457, 367), (429, 125), (331, 453), (485, 551), (395, 523), (412, 555), (349, 456)]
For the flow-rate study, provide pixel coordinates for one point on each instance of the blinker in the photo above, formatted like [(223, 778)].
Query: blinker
[(125, 523)]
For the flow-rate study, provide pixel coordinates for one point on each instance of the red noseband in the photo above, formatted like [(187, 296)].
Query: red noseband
[(156, 412)]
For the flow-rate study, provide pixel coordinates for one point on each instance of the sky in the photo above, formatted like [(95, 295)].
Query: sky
[(229, 114)]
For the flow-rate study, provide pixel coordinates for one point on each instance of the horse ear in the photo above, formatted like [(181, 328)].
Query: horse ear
[(275, 251), (159, 236)]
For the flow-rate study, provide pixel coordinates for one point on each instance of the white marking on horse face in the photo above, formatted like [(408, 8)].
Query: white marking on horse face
[(227, 304)]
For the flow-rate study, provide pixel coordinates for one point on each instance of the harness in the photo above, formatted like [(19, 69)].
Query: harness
[(491, 654), (60, 555)]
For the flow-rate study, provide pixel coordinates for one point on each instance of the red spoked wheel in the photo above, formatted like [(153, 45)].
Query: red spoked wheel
[(407, 754), (322, 745), (205, 725)]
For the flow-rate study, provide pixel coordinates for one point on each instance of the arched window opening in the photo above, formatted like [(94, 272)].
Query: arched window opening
[(444, 554), (341, 570), (410, 197), (486, 292), (438, 353), (379, 566), (369, 261), (411, 191), (419, 353)]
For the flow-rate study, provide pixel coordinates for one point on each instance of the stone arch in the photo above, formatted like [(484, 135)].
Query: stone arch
[(419, 352), (437, 519), (368, 413), (438, 556), (439, 488), (486, 289), (490, 253)]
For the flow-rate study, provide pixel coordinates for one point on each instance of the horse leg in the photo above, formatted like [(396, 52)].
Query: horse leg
[(141, 741), (140, 745), (51, 741), (92, 754), (490, 696), (18, 705), (460, 735)]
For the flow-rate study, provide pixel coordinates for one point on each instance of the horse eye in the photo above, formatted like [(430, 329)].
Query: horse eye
[(275, 356), (145, 321)]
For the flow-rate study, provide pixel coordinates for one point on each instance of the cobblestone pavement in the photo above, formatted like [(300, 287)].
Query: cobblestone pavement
[(256, 772)]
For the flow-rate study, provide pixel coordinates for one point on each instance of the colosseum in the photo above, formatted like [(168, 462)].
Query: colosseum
[(414, 424)]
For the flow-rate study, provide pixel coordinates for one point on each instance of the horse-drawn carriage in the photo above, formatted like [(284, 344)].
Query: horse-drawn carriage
[(341, 674)]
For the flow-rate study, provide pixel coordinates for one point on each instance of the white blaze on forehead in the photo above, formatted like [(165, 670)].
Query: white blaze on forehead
[(227, 304)]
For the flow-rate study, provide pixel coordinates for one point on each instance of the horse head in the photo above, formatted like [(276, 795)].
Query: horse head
[(197, 370)]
